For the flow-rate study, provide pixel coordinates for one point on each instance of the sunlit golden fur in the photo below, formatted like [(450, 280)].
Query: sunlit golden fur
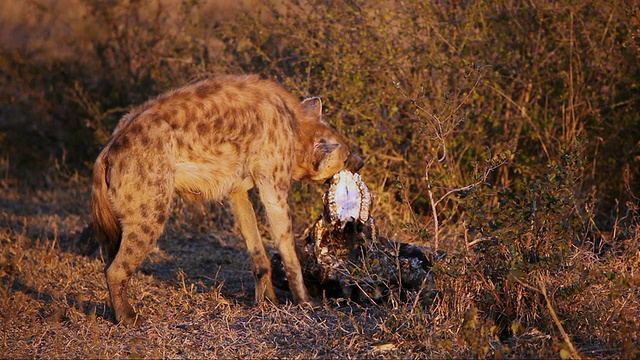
[(209, 140)]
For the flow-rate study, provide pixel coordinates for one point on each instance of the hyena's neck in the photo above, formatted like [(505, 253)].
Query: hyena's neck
[(303, 162)]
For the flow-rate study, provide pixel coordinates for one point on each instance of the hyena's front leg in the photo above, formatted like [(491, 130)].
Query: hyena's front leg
[(245, 216), (275, 200)]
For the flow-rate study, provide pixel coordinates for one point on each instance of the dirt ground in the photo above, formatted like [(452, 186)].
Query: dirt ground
[(196, 290)]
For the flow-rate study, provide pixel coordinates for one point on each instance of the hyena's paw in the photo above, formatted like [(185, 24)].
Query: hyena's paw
[(267, 300), (264, 291), (311, 304), (132, 320), (126, 316)]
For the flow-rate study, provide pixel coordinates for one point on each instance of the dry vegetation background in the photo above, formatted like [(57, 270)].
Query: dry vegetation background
[(505, 132)]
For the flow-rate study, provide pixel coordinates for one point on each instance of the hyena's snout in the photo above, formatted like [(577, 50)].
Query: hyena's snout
[(354, 163)]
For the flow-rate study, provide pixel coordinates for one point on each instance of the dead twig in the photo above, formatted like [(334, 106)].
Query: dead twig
[(542, 289)]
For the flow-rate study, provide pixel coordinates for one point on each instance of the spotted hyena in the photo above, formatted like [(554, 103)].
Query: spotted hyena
[(209, 140)]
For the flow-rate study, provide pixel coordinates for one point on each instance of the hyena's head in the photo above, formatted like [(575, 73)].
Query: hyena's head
[(323, 152)]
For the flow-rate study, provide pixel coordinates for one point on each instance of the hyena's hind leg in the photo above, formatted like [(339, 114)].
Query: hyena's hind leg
[(138, 238), (118, 273), (141, 189)]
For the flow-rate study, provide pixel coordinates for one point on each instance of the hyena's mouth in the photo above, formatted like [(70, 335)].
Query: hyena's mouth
[(354, 163)]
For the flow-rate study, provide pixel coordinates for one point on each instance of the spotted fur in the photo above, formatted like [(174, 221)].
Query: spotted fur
[(210, 140)]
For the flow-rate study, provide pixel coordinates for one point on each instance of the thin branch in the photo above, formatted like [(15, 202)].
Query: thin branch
[(565, 336), (542, 289), (478, 241)]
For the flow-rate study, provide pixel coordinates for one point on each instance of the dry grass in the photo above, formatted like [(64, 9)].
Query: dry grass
[(196, 290)]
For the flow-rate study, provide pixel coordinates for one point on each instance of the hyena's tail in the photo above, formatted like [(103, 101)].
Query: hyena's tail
[(105, 224)]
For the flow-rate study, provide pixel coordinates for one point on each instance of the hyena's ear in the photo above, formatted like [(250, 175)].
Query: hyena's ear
[(312, 105)]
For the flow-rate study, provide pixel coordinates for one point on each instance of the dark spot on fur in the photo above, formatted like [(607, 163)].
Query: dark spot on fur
[(207, 89), (237, 148), (284, 111), (170, 116), (133, 237), (203, 128), (125, 141), (241, 85), (118, 144), (144, 210), (256, 127), (144, 139), (161, 219), (140, 244), (146, 228), (231, 123), (135, 129), (180, 142), (160, 205)]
